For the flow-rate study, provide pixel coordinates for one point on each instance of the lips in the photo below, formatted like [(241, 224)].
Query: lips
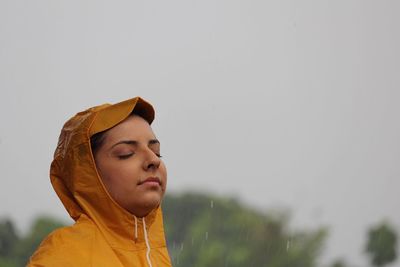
[(151, 180)]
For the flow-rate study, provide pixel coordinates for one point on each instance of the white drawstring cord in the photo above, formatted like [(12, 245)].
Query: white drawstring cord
[(147, 244), (136, 236)]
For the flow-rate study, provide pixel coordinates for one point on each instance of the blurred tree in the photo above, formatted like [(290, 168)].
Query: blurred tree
[(4, 262), (8, 238), (207, 231), (41, 227), (204, 231), (381, 245), (339, 263), (8, 241)]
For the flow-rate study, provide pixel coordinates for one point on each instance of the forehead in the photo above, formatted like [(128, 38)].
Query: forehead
[(132, 128)]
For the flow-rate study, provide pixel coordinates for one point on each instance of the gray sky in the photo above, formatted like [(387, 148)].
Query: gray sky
[(290, 104)]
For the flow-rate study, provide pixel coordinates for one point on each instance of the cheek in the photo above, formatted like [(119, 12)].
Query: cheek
[(163, 174), (119, 177)]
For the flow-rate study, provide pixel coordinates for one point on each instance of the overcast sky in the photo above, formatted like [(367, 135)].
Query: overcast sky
[(290, 104)]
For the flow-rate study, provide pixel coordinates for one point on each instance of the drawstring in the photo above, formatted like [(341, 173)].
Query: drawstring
[(147, 243), (145, 238), (136, 236)]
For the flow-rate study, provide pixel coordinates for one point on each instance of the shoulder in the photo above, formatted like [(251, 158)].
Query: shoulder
[(67, 246)]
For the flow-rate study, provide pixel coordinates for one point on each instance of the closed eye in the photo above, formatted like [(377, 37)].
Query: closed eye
[(125, 156)]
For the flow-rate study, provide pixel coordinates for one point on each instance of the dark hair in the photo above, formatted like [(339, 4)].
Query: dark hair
[(96, 141)]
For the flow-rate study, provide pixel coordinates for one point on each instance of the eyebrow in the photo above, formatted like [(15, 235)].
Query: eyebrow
[(154, 141), (135, 143)]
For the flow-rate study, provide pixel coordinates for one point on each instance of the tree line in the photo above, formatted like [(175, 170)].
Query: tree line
[(208, 231)]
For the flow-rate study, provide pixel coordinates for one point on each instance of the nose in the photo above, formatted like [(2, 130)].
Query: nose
[(152, 161)]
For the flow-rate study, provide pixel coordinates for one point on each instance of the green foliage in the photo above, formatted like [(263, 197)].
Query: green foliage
[(7, 262), (17, 251), (39, 230), (8, 238), (339, 263), (381, 245), (205, 231), (8, 242)]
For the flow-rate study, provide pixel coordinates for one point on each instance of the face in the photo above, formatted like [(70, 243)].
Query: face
[(129, 164)]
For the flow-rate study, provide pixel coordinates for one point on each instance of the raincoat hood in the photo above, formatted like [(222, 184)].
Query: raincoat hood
[(75, 179)]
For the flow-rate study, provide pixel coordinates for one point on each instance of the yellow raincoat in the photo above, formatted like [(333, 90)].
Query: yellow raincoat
[(104, 234)]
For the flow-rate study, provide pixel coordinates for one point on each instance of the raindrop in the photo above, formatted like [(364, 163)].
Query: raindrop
[(212, 204), (287, 245), (181, 246), (206, 235)]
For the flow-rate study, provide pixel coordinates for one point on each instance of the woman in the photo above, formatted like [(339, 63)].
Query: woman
[(108, 174)]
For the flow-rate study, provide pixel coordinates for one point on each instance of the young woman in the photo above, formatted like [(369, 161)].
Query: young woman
[(107, 171)]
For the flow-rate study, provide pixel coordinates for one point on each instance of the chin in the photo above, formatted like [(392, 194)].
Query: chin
[(153, 201), (150, 201)]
